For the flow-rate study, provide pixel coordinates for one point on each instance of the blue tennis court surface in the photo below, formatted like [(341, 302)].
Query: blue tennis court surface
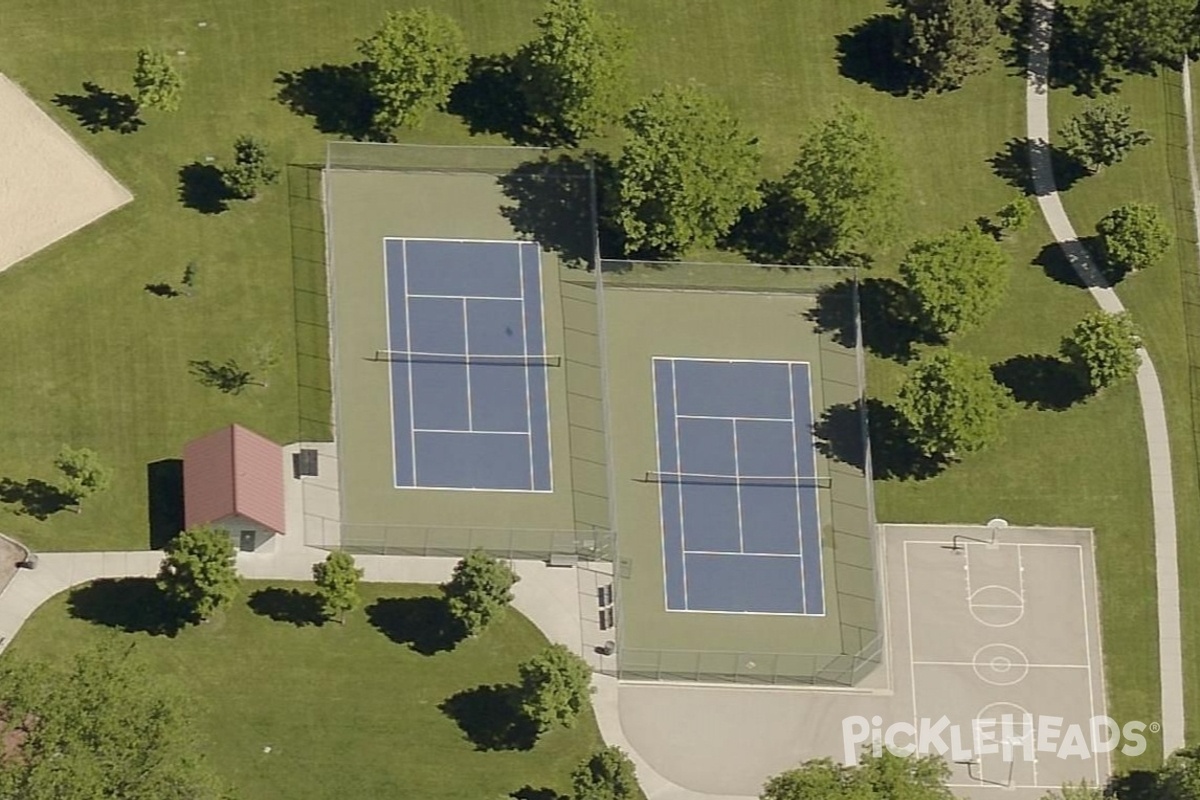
[(740, 523), (469, 395)]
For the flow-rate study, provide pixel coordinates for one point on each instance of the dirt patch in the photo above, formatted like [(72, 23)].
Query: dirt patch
[(52, 186)]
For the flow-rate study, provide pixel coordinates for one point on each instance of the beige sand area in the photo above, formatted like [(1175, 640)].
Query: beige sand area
[(49, 185)]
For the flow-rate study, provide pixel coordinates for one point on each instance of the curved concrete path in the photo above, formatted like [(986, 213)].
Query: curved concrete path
[(1153, 411)]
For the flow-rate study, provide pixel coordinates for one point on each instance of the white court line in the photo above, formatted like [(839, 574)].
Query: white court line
[(730, 360), (412, 401), (796, 468), (481, 433), (525, 353), (662, 511), (678, 468), (467, 347), (455, 241), (912, 653), (812, 455), (466, 297), (731, 553), (736, 418), (972, 664), (545, 372), (1087, 653), (737, 490)]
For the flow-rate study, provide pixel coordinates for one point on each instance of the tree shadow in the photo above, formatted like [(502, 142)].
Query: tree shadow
[(164, 290), (867, 54), (164, 494), (98, 109), (1135, 785), (1040, 381), (530, 793), (764, 234), (553, 205), (1036, 168), (839, 435), (202, 187), (885, 306), (491, 717), (336, 96), (33, 497), (288, 605), (132, 605), (1072, 62), (490, 100), (1078, 263), (423, 623)]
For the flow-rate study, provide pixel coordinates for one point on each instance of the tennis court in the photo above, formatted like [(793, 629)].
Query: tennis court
[(467, 362), (738, 486)]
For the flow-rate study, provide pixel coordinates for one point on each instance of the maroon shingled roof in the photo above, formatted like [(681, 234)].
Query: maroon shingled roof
[(233, 471)]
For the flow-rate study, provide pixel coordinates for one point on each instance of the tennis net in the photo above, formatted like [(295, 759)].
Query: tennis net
[(468, 358), (798, 481)]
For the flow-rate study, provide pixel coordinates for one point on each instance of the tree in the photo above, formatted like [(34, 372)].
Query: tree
[(573, 73), (1075, 791), (555, 686), (886, 775), (337, 584), (1133, 236), (1101, 135), (843, 190), (1137, 35), (479, 590), (957, 279), (685, 174), (252, 169), (1016, 214), (99, 726), (156, 81), (199, 572), (412, 64), (82, 473), (945, 41), (952, 405), (1103, 349), (607, 775)]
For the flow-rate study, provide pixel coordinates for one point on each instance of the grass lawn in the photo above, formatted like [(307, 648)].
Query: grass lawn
[(95, 361), (1158, 174), (348, 711)]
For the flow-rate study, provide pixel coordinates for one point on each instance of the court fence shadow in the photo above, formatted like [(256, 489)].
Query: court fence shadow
[(336, 96), (867, 54), (490, 717), (839, 435), (424, 624), (288, 605), (131, 605), (33, 497), (1041, 381), (99, 109)]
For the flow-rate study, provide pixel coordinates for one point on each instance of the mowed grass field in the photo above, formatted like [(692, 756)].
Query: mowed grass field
[(95, 361), (1157, 174), (346, 710)]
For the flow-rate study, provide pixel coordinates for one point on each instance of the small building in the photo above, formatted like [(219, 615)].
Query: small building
[(233, 479)]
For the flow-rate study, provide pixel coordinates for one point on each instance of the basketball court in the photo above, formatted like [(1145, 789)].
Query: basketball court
[(996, 630)]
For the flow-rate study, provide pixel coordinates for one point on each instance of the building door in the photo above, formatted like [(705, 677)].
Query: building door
[(248, 541)]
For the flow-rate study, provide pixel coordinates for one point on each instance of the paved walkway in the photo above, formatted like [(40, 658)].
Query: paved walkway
[(1153, 411)]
